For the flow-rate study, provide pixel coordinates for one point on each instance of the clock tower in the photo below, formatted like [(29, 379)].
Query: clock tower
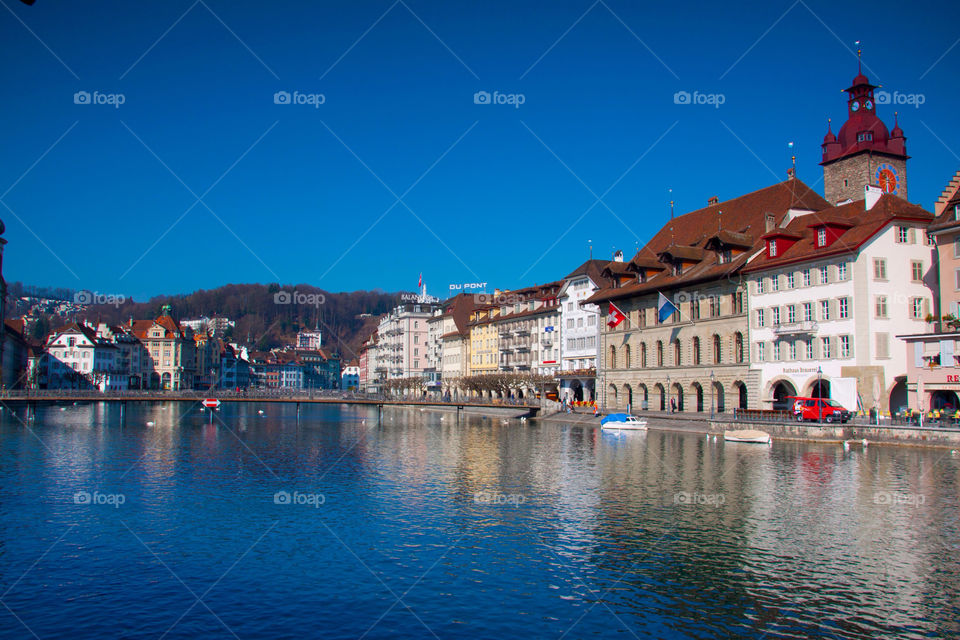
[(863, 151)]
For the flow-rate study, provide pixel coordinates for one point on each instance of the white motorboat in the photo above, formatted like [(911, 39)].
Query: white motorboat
[(622, 421), (747, 435)]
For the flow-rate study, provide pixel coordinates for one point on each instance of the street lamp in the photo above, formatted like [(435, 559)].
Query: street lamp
[(712, 388), (667, 407), (819, 394)]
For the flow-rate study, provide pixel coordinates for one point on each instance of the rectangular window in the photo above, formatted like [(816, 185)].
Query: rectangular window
[(760, 318), (825, 347), (843, 308), (842, 271), (916, 308), (775, 313), (916, 270), (773, 248), (776, 351), (694, 309), (810, 349), (793, 349), (956, 277), (760, 284), (805, 274), (844, 346), (791, 313), (881, 306), (791, 282), (883, 345), (879, 269), (821, 237), (761, 351), (775, 282), (824, 309), (824, 276), (903, 235), (808, 312), (714, 306)]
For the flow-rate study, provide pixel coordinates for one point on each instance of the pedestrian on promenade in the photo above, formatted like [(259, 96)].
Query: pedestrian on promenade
[(673, 405)]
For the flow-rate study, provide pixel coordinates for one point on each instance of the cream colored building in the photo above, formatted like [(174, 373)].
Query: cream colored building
[(698, 358)]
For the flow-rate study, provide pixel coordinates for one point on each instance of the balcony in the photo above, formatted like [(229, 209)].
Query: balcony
[(522, 348), (547, 342), (806, 327), (522, 332)]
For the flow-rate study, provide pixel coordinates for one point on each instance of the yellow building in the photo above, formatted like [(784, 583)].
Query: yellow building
[(484, 341)]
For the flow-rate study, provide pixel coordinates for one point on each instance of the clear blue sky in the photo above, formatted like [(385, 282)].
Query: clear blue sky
[(295, 192)]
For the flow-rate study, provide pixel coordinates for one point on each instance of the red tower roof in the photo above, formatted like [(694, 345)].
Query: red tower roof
[(863, 130)]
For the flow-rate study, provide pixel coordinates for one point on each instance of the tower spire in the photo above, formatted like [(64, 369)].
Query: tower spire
[(859, 62)]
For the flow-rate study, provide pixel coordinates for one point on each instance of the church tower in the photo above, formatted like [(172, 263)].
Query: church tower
[(863, 151)]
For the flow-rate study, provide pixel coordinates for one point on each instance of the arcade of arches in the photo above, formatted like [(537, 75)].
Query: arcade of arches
[(685, 395)]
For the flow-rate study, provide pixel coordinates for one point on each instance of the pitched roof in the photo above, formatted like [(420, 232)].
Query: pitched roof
[(861, 225), (691, 232), (593, 269)]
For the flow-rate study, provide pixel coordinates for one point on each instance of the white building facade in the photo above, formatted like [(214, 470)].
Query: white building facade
[(826, 325), (578, 331)]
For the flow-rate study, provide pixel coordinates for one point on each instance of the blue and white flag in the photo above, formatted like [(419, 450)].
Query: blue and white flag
[(665, 308)]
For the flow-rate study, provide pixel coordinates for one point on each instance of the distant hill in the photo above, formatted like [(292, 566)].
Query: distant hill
[(266, 316)]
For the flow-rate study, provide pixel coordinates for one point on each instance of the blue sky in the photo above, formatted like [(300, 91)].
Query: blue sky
[(391, 174)]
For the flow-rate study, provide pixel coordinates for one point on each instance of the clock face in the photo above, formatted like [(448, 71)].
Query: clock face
[(888, 179), (855, 106), (868, 105)]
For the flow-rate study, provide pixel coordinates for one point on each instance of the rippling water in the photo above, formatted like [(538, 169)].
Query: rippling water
[(257, 526)]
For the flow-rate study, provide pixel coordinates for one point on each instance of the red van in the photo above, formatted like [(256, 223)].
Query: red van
[(819, 409)]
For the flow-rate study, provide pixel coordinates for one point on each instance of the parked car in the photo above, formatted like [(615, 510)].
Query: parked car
[(819, 409)]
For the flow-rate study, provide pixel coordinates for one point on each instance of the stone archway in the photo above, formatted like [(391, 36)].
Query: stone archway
[(720, 399), (643, 396), (779, 393), (660, 397), (628, 397), (741, 394), (612, 400), (678, 395), (697, 392), (898, 395), (820, 388)]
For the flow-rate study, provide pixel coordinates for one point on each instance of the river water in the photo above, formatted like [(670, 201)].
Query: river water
[(178, 523)]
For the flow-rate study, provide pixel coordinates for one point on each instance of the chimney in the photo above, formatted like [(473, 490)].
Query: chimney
[(770, 223), (870, 196), (618, 256), (713, 200)]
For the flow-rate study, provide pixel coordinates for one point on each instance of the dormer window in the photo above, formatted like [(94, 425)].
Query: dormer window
[(956, 212), (821, 237), (772, 248), (725, 256), (678, 268), (865, 136)]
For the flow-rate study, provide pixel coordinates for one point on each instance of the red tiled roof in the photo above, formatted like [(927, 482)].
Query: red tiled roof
[(861, 226), (745, 215)]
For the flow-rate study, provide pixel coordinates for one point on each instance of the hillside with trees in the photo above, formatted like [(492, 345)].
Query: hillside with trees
[(266, 316)]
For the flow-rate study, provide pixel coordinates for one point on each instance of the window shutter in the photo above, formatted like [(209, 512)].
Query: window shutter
[(912, 235), (926, 308)]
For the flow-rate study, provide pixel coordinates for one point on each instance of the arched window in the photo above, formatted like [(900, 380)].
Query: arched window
[(696, 350), (716, 349), (659, 353), (643, 354), (612, 359), (738, 347), (626, 356), (676, 353)]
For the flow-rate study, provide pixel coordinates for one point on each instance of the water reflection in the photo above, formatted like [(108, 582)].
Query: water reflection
[(489, 527)]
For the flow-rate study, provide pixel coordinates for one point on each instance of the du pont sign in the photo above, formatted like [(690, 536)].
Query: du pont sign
[(468, 286)]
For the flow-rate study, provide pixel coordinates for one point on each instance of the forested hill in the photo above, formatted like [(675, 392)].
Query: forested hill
[(268, 316)]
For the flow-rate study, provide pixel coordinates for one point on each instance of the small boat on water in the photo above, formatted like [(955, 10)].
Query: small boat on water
[(747, 435), (622, 421)]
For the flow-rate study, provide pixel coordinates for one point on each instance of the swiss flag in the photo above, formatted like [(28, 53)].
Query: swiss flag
[(614, 316)]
